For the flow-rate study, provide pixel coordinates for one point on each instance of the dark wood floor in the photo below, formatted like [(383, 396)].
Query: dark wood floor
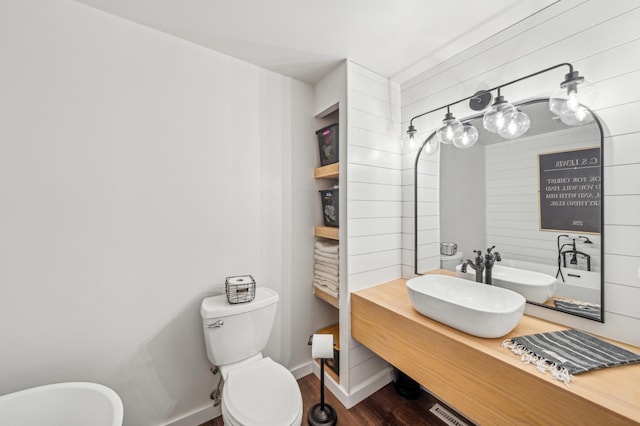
[(384, 407)]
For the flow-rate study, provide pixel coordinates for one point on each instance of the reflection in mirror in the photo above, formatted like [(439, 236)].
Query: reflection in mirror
[(537, 199)]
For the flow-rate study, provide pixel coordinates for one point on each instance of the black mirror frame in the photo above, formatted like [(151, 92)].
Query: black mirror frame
[(596, 119)]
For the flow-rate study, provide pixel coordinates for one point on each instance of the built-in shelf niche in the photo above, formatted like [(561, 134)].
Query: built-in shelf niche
[(327, 176)]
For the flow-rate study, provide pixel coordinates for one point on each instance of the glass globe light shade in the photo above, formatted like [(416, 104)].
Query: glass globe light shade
[(469, 137), (431, 146), (409, 141), (450, 130), (516, 127), (578, 117), (574, 91), (500, 113)]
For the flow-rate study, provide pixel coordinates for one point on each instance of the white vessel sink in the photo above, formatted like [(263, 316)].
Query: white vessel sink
[(534, 286), (477, 309)]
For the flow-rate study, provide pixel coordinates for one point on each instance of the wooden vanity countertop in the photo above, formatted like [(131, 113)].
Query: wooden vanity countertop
[(482, 380)]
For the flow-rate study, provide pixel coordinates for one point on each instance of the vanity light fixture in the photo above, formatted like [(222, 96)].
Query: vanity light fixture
[(409, 143), (503, 118), (568, 103), (469, 137), (499, 115), (431, 145), (480, 100), (515, 127), (576, 118), (450, 130)]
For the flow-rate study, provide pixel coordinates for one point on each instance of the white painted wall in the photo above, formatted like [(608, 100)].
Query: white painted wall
[(601, 39), (138, 170)]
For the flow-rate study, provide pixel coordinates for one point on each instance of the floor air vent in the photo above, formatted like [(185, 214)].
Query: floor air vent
[(446, 416)]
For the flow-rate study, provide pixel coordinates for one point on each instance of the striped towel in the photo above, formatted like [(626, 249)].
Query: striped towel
[(568, 352), (587, 310)]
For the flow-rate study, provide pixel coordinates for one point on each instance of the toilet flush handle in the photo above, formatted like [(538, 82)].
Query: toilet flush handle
[(216, 324)]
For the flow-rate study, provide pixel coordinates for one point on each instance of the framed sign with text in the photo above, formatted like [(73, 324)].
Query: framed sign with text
[(570, 189)]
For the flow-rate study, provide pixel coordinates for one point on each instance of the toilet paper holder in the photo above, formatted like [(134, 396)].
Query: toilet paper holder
[(321, 414), (322, 350), (332, 362)]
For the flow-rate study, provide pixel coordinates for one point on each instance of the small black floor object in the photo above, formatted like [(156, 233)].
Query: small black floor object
[(322, 414), (320, 417), (405, 386)]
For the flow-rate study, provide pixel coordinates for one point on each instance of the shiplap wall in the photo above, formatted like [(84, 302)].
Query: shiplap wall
[(602, 40), (511, 181), (428, 228), (374, 200)]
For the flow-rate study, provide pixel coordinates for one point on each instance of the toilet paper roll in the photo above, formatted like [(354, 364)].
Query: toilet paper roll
[(242, 279), (322, 346)]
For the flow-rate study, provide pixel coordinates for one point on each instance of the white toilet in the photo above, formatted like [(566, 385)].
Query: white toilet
[(257, 390), (450, 262)]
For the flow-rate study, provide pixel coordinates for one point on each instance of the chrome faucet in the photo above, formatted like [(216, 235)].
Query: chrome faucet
[(481, 264), (477, 266)]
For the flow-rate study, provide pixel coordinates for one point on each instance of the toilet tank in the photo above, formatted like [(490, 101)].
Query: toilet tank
[(234, 332)]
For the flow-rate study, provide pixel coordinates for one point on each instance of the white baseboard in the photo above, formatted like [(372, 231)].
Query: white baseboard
[(361, 391), (334, 387), (370, 386), (302, 370), (197, 416)]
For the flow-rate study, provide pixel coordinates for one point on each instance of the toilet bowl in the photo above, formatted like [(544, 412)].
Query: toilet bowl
[(257, 391), (262, 393)]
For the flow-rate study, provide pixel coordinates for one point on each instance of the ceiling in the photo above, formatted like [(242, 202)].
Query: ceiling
[(305, 40)]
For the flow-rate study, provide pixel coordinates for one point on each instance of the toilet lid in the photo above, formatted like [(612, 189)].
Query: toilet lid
[(262, 393)]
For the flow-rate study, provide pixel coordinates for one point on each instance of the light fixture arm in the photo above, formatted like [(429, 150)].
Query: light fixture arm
[(564, 64)]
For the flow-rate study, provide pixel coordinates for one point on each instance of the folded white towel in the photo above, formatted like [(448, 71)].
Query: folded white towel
[(324, 267), (326, 290), (328, 255), (327, 281), (328, 284), (331, 279), (327, 247), (328, 277), (325, 259), (331, 265)]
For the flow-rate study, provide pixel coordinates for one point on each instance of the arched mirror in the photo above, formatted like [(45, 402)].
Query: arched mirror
[(537, 199)]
